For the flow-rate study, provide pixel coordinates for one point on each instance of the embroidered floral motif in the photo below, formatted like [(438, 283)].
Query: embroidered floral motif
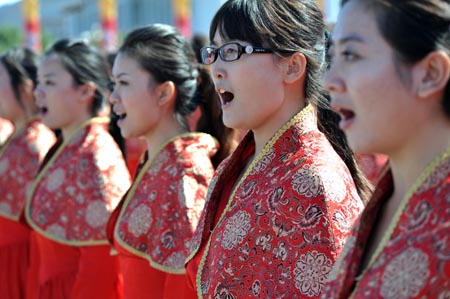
[(236, 230), (97, 214), (55, 179), (306, 182), (140, 220), (310, 272), (175, 260), (57, 231), (406, 275)]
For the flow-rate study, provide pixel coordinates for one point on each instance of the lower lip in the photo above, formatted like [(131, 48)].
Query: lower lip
[(120, 122), (345, 124)]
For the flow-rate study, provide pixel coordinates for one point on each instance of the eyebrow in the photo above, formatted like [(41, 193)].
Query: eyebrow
[(120, 75), (347, 39), (49, 75)]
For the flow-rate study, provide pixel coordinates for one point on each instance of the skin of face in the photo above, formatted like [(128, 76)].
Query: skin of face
[(135, 98), (9, 105), (369, 89), (62, 104), (256, 84)]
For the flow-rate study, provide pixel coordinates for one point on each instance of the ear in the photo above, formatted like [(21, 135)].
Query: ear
[(166, 92), (26, 89), (87, 91), (294, 67), (432, 74)]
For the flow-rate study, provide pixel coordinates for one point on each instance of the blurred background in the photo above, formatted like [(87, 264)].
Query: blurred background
[(37, 23)]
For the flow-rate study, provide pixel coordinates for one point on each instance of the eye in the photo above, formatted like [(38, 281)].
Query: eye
[(348, 55)]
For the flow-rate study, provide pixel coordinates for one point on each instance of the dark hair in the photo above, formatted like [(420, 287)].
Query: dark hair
[(413, 28), (168, 56), (294, 26), (85, 64), (21, 65)]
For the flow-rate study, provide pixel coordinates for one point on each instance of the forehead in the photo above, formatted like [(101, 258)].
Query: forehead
[(124, 61), (355, 20), (51, 62)]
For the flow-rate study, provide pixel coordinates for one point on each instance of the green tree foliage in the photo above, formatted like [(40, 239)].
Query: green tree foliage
[(10, 37)]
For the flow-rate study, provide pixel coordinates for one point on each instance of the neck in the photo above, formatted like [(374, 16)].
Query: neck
[(409, 162), (161, 134), (265, 132), (70, 129)]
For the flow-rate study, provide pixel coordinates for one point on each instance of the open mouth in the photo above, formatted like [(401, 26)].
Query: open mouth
[(346, 114), (226, 97), (43, 111)]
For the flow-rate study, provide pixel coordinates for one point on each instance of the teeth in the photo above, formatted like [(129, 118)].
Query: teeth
[(222, 90)]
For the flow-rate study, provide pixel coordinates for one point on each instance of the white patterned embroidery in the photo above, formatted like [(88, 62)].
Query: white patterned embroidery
[(306, 182), (405, 275), (5, 208), (311, 272), (97, 214), (140, 220), (57, 231), (55, 179), (4, 165), (176, 260), (235, 230)]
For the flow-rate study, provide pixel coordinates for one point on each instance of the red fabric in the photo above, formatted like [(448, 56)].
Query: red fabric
[(19, 162), (284, 225), (415, 260), (14, 246), (76, 272), (134, 148), (372, 165), (158, 216)]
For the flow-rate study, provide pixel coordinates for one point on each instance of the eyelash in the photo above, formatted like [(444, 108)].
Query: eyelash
[(349, 55)]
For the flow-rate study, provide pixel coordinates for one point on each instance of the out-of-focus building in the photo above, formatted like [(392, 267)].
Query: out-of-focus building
[(80, 18)]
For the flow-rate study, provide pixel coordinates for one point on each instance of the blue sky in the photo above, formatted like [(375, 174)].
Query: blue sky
[(3, 2)]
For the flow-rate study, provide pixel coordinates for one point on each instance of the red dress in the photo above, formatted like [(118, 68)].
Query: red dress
[(80, 183), (19, 162), (413, 257), (284, 223), (159, 215), (6, 129)]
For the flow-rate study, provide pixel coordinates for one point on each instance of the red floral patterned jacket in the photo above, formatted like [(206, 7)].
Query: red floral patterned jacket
[(285, 221)]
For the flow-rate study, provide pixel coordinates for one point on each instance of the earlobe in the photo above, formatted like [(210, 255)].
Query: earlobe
[(295, 67), (434, 75)]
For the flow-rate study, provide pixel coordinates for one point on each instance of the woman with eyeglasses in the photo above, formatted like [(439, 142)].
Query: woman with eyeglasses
[(158, 84), (400, 247), (20, 157), (281, 206), (79, 183)]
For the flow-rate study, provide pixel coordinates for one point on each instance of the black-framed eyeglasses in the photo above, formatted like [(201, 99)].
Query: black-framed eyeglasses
[(229, 52)]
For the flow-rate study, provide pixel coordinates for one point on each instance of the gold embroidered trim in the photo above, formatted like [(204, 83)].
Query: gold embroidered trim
[(305, 111), (131, 194), (39, 178), (419, 181)]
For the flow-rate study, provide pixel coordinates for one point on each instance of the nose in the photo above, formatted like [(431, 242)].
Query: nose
[(332, 82), (217, 69), (38, 92), (113, 97)]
